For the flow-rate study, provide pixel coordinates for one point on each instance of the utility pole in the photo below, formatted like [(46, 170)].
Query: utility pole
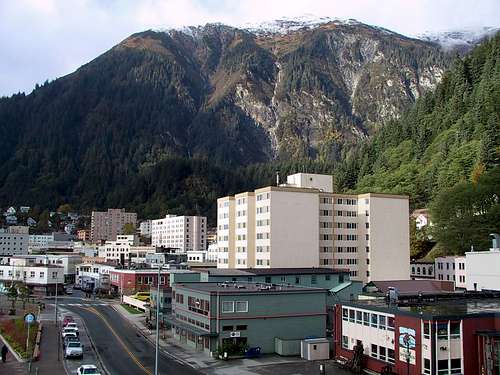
[(157, 349)]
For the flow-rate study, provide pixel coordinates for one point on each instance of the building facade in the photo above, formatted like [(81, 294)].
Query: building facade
[(213, 316), (128, 282), (125, 249), (13, 243), (460, 273), (422, 269), (187, 233), (105, 226), (304, 224), (90, 276), (482, 270), (443, 337), (145, 228), (445, 268)]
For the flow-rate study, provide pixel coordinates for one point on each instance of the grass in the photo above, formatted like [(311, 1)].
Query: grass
[(131, 310), (15, 332)]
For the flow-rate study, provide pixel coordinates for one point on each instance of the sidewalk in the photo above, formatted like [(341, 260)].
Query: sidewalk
[(12, 366), (48, 363)]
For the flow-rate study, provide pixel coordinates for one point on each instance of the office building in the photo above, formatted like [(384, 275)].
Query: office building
[(12, 243), (187, 233), (209, 316), (105, 226), (482, 270), (302, 223), (145, 228), (126, 249)]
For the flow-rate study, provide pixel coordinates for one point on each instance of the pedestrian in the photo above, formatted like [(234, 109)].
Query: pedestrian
[(4, 353)]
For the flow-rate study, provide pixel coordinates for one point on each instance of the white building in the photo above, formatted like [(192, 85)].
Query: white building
[(187, 233), (460, 272), (444, 268), (67, 261), (212, 252), (40, 278), (197, 256), (422, 270), (304, 224), (145, 228), (126, 247), (93, 275), (13, 243), (38, 241), (482, 270)]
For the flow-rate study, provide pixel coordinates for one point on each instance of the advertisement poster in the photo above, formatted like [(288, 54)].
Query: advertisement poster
[(407, 343)]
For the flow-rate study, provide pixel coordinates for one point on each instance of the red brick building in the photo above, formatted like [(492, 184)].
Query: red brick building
[(443, 337), (132, 281)]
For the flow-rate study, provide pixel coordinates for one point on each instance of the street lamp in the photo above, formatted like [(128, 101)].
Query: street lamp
[(157, 349), (56, 311)]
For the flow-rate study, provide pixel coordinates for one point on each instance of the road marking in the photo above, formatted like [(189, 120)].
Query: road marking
[(134, 358)]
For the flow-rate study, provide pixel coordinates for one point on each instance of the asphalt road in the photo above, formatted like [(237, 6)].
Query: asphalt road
[(122, 349)]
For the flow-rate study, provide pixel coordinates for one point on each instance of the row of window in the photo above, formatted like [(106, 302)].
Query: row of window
[(234, 306), (262, 223), (263, 236), (240, 327), (346, 225), (263, 209), (192, 321), (32, 274), (198, 305), (346, 249), (263, 196), (263, 262), (347, 237), (368, 319), (347, 261), (263, 249)]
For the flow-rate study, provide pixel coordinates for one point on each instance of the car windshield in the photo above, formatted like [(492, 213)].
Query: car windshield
[(90, 371), (74, 345)]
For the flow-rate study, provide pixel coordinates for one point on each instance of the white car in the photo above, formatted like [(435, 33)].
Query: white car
[(73, 349), (67, 330), (72, 325), (88, 369)]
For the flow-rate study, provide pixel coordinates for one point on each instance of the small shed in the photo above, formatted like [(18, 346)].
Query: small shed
[(315, 349), (286, 347)]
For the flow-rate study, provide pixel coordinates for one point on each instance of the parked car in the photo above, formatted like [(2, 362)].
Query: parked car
[(67, 319), (142, 296), (74, 349), (72, 325), (69, 290), (88, 370), (70, 337), (69, 330)]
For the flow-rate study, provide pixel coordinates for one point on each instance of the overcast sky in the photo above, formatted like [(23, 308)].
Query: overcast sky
[(46, 39)]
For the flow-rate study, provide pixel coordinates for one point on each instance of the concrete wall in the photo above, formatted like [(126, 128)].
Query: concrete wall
[(482, 270)]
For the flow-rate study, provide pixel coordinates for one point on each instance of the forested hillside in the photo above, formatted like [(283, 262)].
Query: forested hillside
[(444, 151)]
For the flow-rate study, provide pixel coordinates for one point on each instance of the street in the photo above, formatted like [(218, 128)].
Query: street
[(121, 348)]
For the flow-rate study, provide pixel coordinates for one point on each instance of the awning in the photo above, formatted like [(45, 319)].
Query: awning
[(197, 331)]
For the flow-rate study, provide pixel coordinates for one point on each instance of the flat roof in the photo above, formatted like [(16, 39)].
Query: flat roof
[(272, 271), (424, 286), (449, 308), (244, 288)]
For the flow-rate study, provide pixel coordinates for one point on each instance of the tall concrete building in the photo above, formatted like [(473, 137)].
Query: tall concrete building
[(187, 233), (302, 223), (105, 226)]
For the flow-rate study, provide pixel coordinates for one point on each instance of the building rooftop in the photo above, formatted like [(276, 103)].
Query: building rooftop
[(413, 286), (440, 307), (272, 271), (243, 288)]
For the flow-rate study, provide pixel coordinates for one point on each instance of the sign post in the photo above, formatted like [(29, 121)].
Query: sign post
[(29, 319)]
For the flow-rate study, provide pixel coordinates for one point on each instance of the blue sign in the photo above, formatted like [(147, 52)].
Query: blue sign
[(29, 318)]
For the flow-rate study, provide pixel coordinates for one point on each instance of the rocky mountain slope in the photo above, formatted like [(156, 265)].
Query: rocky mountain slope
[(232, 96)]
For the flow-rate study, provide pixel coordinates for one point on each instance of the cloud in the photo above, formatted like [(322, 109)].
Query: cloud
[(46, 39)]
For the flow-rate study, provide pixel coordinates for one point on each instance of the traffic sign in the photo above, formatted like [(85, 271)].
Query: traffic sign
[(29, 318)]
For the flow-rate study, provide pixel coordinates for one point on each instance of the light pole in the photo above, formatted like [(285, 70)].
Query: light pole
[(157, 349), (55, 311)]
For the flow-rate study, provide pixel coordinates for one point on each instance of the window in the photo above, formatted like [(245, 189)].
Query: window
[(359, 317), (351, 316), (427, 366), (268, 279), (227, 306), (313, 279), (241, 306), (32, 274), (367, 249), (443, 366), (442, 331), (374, 352), (345, 314), (382, 352), (456, 366), (367, 225), (390, 323), (381, 321), (374, 320), (427, 330), (455, 330), (390, 355), (242, 327), (366, 319), (345, 342), (227, 328), (297, 280)]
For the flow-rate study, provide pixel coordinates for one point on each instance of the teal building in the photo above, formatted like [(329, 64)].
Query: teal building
[(237, 315)]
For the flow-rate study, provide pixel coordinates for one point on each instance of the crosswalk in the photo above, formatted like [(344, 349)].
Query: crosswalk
[(82, 304)]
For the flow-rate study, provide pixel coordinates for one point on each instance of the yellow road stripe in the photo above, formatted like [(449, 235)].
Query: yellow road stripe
[(134, 358)]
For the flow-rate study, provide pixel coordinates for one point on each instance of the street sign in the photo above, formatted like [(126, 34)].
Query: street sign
[(29, 318)]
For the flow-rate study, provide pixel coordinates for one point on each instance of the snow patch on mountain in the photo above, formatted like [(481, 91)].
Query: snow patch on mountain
[(458, 38)]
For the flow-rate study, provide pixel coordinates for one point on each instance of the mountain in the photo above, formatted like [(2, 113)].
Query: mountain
[(209, 101), (461, 41), (450, 136)]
